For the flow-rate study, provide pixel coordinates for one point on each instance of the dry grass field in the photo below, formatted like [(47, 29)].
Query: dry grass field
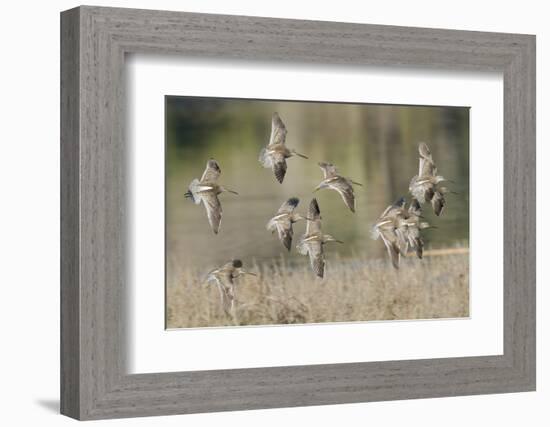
[(352, 290)]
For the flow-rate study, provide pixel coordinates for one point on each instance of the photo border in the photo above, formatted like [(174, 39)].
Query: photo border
[(298, 101), (94, 230)]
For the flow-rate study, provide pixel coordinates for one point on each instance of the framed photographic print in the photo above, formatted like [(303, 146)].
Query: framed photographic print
[(261, 213)]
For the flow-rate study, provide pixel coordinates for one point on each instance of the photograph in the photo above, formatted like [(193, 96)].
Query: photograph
[(283, 212)]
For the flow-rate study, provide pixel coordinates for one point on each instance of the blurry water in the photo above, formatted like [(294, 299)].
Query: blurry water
[(373, 144)]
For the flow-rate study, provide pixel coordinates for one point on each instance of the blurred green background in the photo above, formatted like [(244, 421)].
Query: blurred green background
[(375, 145)]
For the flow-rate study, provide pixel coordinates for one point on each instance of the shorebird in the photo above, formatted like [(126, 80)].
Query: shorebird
[(385, 228), (206, 190), (282, 222), (313, 240), (224, 277), (333, 181), (399, 229), (275, 154), (425, 186)]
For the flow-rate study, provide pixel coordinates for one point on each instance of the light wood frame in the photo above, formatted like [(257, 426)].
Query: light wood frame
[(94, 381)]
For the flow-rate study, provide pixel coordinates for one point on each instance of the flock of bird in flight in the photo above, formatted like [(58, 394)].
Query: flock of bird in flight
[(398, 226)]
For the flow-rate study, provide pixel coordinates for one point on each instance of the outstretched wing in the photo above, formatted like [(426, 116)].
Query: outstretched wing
[(414, 207), (424, 151), (402, 241), (390, 241), (213, 210), (227, 295), (329, 170), (345, 189), (278, 130), (438, 202), (285, 232), (224, 283), (419, 247), (426, 165), (414, 240), (316, 257), (212, 171), (313, 218), (289, 206), (279, 166)]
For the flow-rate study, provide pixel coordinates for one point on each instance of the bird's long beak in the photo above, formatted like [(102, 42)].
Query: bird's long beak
[(316, 189), (301, 155), (356, 183), (338, 241), (231, 191), (250, 273)]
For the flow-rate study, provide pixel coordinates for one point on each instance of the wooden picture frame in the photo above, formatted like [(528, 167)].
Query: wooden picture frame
[(94, 382)]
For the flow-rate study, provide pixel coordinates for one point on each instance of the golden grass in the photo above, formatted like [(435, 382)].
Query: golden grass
[(352, 290)]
